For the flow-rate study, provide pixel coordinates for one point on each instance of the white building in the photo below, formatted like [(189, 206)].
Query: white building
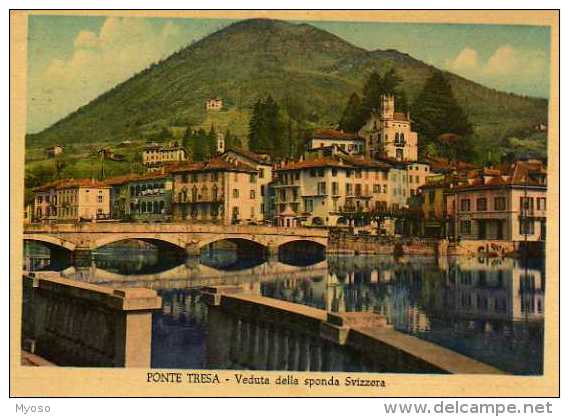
[(348, 142), (388, 133), (214, 104), (156, 155), (318, 191)]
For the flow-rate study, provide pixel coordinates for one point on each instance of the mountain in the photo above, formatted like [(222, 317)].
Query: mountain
[(308, 69)]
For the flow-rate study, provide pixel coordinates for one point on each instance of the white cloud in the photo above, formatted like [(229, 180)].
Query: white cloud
[(99, 61), (466, 60), (505, 66)]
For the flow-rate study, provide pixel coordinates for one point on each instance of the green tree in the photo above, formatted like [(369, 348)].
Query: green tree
[(266, 128), (373, 88), (351, 120), (436, 112)]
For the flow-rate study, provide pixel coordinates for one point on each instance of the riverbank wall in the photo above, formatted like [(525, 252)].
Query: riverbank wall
[(70, 323), (372, 245)]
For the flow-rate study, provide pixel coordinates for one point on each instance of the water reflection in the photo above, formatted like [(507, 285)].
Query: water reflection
[(489, 309)]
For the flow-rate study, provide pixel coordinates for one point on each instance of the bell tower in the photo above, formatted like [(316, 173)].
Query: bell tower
[(387, 106)]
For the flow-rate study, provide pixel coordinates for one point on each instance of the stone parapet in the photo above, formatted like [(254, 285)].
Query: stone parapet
[(72, 323), (256, 332)]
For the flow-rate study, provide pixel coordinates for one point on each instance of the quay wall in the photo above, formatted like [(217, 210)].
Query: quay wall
[(248, 331), (372, 245), (71, 323)]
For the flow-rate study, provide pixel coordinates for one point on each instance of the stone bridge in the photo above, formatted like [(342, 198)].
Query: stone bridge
[(188, 237)]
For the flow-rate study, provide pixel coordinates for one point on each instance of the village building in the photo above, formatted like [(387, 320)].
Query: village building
[(417, 173), (157, 155), (72, 201), (53, 151), (262, 163), (348, 142), (323, 191), (389, 134), (214, 104), (437, 205), (143, 198), (216, 191), (496, 205)]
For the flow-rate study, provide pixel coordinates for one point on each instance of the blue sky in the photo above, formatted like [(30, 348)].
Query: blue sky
[(73, 59)]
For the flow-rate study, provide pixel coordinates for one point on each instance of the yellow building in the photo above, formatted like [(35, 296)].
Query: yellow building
[(436, 194), (216, 191), (72, 201)]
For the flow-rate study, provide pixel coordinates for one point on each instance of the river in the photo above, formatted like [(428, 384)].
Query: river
[(490, 309)]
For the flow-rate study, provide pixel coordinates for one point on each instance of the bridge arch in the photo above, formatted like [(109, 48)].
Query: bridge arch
[(302, 252), (232, 238), (145, 237), (51, 241)]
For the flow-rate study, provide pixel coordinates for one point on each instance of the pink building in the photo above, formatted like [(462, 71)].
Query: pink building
[(502, 206)]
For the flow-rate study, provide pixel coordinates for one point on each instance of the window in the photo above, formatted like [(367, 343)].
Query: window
[(431, 196), (194, 177), (252, 178), (399, 154), (527, 227), (465, 226), (309, 205), (252, 212), (481, 204), (313, 172), (526, 204), (262, 190), (499, 203), (541, 203), (334, 172), (376, 188), (320, 172), (235, 193), (252, 194), (465, 204), (348, 189), (261, 173), (358, 189), (321, 188), (335, 188)]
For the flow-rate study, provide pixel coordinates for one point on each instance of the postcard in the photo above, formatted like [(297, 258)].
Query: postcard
[(284, 203)]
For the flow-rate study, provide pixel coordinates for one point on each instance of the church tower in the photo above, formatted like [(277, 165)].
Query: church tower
[(220, 146), (387, 107)]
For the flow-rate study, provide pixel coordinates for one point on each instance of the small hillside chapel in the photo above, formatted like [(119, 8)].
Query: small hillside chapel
[(388, 133)]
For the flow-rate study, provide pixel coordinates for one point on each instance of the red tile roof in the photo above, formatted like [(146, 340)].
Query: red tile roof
[(215, 164), (255, 157), (335, 134)]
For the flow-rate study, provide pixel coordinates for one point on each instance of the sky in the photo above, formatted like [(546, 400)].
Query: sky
[(73, 59)]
